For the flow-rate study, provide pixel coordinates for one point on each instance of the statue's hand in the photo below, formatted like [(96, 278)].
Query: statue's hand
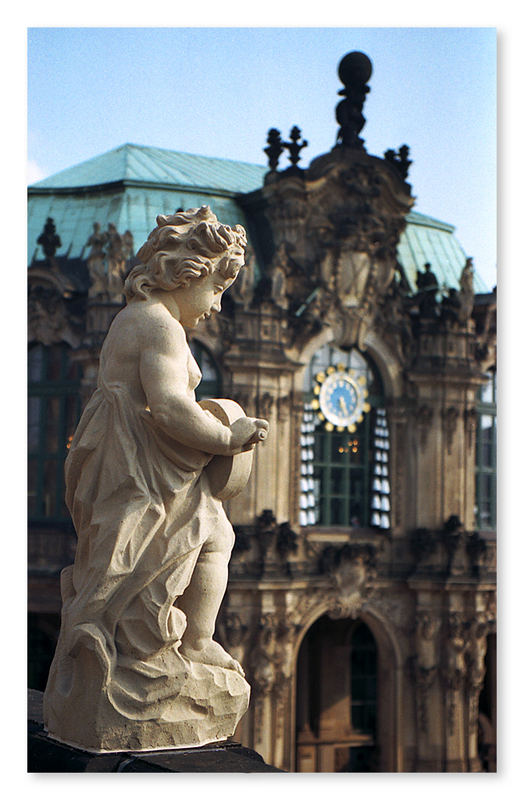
[(246, 432)]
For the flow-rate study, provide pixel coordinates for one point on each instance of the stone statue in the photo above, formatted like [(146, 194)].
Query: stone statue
[(136, 666), (427, 285), (467, 292)]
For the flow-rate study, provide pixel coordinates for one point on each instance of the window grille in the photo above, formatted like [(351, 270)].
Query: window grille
[(486, 455), (344, 476)]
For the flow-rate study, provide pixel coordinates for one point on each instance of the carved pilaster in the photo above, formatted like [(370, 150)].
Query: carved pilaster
[(454, 671), (476, 665), (470, 423), (450, 418), (424, 418), (425, 666), (398, 419)]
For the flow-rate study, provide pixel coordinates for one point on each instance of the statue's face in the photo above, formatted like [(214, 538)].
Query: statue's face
[(203, 296)]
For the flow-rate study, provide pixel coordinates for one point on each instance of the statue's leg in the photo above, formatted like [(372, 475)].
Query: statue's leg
[(201, 601)]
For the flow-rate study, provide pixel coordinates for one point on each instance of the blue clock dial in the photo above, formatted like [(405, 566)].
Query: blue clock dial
[(341, 398)]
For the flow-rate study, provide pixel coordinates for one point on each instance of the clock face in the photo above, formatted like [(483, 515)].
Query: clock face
[(341, 398)]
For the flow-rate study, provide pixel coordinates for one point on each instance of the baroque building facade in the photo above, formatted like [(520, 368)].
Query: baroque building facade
[(362, 589)]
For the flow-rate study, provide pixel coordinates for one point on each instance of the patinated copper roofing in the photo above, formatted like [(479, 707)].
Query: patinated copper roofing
[(130, 185)]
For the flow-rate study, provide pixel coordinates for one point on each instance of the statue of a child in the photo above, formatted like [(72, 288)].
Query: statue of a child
[(136, 666)]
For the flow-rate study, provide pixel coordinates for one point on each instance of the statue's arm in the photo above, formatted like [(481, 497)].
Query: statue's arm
[(164, 378)]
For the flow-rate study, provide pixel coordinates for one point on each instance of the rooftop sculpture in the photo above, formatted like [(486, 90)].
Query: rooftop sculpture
[(136, 666)]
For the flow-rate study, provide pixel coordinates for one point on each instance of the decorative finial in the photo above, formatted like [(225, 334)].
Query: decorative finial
[(293, 147), (274, 149), (354, 71), (400, 160)]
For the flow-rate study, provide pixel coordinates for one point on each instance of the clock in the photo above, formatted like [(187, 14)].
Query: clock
[(340, 398)]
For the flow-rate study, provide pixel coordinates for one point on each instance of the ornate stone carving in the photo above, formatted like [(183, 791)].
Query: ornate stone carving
[(263, 656), (454, 670), (336, 226), (244, 287), (476, 665), (108, 255), (351, 570), (425, 662), (275, 542), (47, 316)]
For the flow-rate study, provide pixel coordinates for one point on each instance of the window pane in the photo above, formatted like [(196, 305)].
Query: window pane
[(363, 680), (338, 483), (339, 447), (35, 363), (32, 485), (486, 456), (52, 419), (336, 512), (54, 363), (50, 488), (71, 416), (33, 418), (53, 412)]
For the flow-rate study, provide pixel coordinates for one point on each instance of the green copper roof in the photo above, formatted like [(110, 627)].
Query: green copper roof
[(426, 239), (154, 165), (130, 185)]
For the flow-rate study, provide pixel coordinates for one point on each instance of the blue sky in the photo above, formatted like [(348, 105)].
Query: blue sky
[(217, 91)]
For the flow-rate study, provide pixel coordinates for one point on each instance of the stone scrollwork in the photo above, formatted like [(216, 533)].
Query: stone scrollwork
[(351, 570)]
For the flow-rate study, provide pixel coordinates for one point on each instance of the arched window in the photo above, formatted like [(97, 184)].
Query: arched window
[(363, 681), (486, 455), (344, 443), (53, 413), (337, 698), (211, 384)]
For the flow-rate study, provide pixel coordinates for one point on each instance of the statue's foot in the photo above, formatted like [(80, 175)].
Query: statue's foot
[(211, 654)]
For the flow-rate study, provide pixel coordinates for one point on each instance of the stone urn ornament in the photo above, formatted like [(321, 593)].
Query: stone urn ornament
[(136, 666)]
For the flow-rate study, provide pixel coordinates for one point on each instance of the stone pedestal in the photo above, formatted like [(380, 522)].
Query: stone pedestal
[(48, 755)]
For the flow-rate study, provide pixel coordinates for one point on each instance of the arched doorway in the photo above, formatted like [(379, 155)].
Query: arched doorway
[(337, 696)]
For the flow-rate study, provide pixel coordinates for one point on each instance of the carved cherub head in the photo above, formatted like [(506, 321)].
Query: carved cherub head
[(183, 247)]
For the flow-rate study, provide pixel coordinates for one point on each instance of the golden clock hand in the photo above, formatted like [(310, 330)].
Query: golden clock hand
[(343, 406)]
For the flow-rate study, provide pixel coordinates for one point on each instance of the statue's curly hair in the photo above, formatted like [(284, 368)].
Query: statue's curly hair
[(183, 246)]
